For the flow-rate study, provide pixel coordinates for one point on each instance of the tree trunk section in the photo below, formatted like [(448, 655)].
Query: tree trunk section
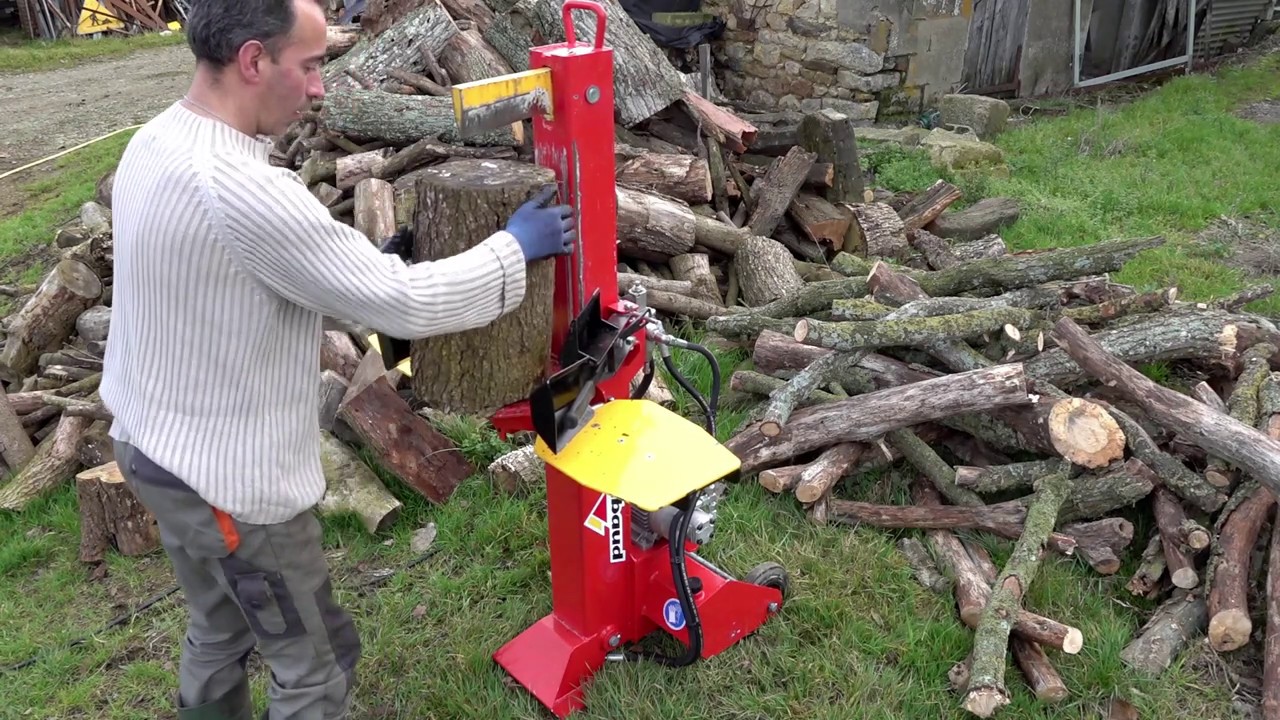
[(765, 271), (882, 232), (111, 516), (653, 228), (404, 443), (352, 487), (684, 177), (478, 371), (403, 46), (517, 472), (401, 119), (48, 317), (695, 269), (94, 324), (339, 39), (15, 445)]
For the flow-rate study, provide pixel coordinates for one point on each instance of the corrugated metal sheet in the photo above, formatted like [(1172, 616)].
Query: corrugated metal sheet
[(1229, 20)]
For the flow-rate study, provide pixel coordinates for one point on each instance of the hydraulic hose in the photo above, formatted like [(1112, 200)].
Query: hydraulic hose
[(680, 577)]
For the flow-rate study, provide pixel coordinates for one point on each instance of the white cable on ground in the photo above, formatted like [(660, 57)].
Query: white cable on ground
[(86, 143)]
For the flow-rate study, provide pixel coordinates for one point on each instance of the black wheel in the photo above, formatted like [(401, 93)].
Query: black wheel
[(769, 574)]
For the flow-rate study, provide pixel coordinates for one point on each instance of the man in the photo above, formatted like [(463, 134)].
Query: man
[(224, 269)]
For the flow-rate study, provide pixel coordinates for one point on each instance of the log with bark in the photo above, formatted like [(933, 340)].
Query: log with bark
[(479, 370), (111, 516), (352, 487), (403, 442)]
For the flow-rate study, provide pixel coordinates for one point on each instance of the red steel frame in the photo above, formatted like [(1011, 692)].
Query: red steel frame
[(606, 592)]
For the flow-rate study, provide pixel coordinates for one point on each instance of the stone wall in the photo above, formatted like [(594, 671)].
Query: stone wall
[(853, 56)]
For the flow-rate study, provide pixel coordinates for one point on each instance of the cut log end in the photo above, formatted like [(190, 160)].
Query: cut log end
[(1186, 577), (985, 701), (1085, 433), (1073, 643), (1229, 630)]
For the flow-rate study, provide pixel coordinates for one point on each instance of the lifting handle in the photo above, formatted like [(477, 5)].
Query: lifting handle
[(594, 7)]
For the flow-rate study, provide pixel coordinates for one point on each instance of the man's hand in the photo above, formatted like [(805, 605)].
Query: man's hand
[(543, 231), (399, 244)]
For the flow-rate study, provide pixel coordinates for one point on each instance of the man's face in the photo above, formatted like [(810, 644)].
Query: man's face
[(290, 83)]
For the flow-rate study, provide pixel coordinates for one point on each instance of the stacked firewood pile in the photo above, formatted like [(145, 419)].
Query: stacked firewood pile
[(885, 331)]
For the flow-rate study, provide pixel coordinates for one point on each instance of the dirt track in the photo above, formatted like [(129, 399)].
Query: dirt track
[(47, 111)]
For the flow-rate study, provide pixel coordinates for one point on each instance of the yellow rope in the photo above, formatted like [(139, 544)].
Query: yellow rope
[(86, 143)]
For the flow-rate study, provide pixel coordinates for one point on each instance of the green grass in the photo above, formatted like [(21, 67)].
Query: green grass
[(63, 185), (858, 638), (21, 54), (1167, 164)]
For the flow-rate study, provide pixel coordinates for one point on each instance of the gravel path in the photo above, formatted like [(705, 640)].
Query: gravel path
[(51, 110)]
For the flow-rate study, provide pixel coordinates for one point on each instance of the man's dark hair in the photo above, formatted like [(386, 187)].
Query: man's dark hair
[(216, 29)]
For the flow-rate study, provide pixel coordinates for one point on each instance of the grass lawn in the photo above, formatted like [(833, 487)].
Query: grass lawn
[(859, 638), (19, 53)]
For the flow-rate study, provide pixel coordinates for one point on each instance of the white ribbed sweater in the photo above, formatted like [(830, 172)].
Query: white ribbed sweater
[(225, 267)]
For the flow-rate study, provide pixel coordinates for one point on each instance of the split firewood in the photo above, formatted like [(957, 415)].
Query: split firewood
[(517, 471), (831, 137), (880, 231), (375, 209), (642, 85), (404, 443), (112, 517), (727, 129), (774, 192), (352, 487), (926, 206), (822, 222)]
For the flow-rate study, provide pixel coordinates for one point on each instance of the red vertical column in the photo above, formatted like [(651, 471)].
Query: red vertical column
[(578, 144)]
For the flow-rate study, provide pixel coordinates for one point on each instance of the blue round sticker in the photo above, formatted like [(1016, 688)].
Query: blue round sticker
[(673, 614)]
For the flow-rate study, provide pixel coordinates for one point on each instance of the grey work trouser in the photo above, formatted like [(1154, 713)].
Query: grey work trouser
[(247, 585)]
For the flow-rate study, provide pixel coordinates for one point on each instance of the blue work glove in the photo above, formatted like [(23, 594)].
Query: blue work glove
[(399, 244), (543, 231)]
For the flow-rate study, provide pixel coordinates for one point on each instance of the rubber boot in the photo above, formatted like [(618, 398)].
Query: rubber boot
[(235, 705)]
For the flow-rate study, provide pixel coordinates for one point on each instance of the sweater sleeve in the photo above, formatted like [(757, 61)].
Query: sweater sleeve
[(282, 235)]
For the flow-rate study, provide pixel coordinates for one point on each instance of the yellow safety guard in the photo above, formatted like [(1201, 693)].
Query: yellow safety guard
[(642, 453)]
